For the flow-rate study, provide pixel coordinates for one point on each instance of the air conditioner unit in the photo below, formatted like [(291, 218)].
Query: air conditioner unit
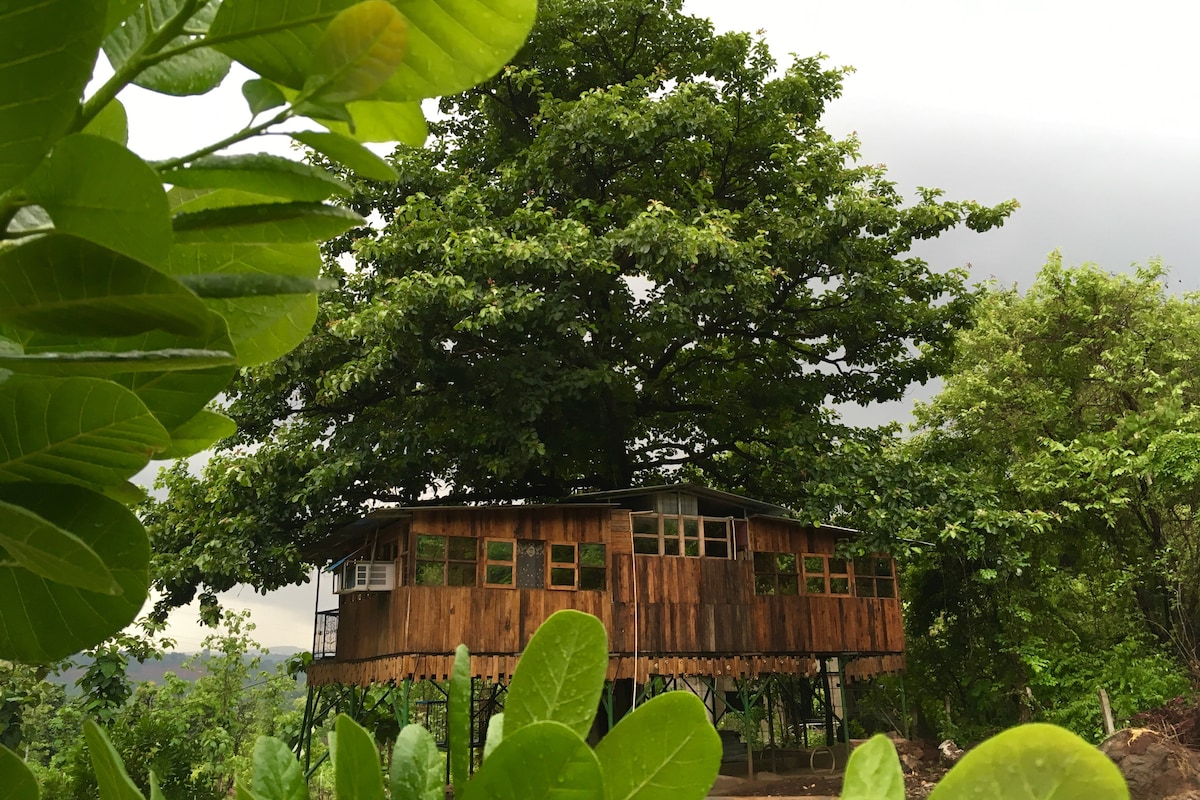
[(364, 576)]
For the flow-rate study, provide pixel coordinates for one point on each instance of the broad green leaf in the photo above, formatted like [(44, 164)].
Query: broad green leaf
[(542, 761), (155, 792), (359, 51), (241, 791), (182, 199), (111, 123), (43, 548), (357, 774), (275, 40), (47, 51), (223, 286), (417, 772), (380, 121), (323, 111), (270, 223), (262, 96), (276, 774), (96, 189), (664, 750), (873, 772), (1034, 762), (114, 781), (15, 777), (77, 430), (349, 153), (61, 284), (495, 733), (118, 10), (42, 621), (260, 173), (99, 364), (128, 494), (199, 434), (458, 717), (193, 72), (560, 675)]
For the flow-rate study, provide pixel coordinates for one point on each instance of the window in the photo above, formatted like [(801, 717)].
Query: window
[(775, 574), (874, 577), (578, 566), (445, 560), (500, 562), (562, 566), (657, 534), (593, 568), (826, 575)]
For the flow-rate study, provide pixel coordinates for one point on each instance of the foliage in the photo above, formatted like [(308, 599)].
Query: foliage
[(635, 249)]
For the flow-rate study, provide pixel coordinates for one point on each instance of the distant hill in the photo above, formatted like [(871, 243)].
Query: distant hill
[(171, 662)]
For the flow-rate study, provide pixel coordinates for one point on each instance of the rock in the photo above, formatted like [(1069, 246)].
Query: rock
[(951, 752), (1155, 766)]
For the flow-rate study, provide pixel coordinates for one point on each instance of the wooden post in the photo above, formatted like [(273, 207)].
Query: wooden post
[(1106, 711)]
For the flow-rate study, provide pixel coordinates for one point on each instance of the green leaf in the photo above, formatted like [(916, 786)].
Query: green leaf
[(155, 792), (241, 791), (217, 285), (380, 121), (47, 51), (357, 774), (873, 772), (114, 781), (260, 173), (542, 761), (665, 749), (98, 364), (118, 10), (43, 548), (127, 494), (78, 430), (359, 51), (262, 96), (416, 772), (1034, 762), (276, 775), (61, 284), (275, 40), (111, 123), (495, 733), (349, 153), (269, 223), (560, 675), (193, 72), (43, 621), (458, 717), (199, 434), (15, 777), (96, 189)]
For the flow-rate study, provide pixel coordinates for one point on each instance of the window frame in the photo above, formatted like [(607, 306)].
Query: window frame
[(552, 565), (826, 575), (446, 561), (874, 577), (775, 572), (489, 562), (680, 538)]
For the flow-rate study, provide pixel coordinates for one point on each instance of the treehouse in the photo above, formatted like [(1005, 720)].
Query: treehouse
[(689, 582)]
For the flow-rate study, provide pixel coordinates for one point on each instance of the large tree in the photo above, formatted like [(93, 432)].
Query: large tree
[(634, 250)]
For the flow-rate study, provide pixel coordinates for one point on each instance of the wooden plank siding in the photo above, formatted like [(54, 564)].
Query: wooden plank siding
[(679, 615)]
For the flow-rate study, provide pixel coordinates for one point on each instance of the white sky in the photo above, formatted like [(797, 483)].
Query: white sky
[(1084, 112)]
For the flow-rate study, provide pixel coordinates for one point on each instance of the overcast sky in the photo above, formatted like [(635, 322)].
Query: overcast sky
[(1084, 112)]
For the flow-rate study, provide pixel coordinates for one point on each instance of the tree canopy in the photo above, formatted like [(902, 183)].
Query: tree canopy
[(633, 251)]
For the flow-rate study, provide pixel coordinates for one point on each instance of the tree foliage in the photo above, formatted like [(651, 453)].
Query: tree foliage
[(632, 251)]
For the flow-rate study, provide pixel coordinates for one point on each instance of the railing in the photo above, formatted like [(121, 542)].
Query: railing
[(325, 634)]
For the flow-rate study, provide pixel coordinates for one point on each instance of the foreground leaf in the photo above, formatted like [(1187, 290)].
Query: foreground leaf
[(359, 51), (47, 51), (15, 777), (416, 772), (43, 621), (99, 364), (199, 434), (542, 761), (115, 783), (379, 121), (269, 223), (275, 40), (112, 123), (560, 675), (262, 96), (1034, 762), (276, 774), (357, 774), (873, 772), (458, 718), (41, 547), (665, 749), (193, 72), (260, 173), (348, 153)]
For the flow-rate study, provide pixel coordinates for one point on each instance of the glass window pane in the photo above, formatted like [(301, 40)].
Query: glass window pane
[(839, 586), (789, 585), (885, 587), (460, 574), (764, 562), (691, 527), (430, 573), (592, 578), (691, 547), (764, 584), (837, 566), (562, 576), (645, 545), (716, 529), (671, 545), (785, 562), (883, 567), (814, 585), (714, 549), (814, 564), (431, 547), (463, 548), (864, 587), (591, 555), (499, 574), (864, 566), (562, 554), (500, 551), (645, 523)]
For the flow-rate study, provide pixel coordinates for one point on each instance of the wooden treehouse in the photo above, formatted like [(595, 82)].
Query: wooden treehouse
[(698, 589)]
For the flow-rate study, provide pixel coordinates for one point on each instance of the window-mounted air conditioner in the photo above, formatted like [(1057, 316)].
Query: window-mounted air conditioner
[(364, 576)]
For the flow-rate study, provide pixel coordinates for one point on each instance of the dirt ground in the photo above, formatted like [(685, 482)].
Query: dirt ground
[(917, 785)]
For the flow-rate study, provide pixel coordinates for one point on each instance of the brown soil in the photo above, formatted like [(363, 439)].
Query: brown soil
[(917, 785), (1155, 765)]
